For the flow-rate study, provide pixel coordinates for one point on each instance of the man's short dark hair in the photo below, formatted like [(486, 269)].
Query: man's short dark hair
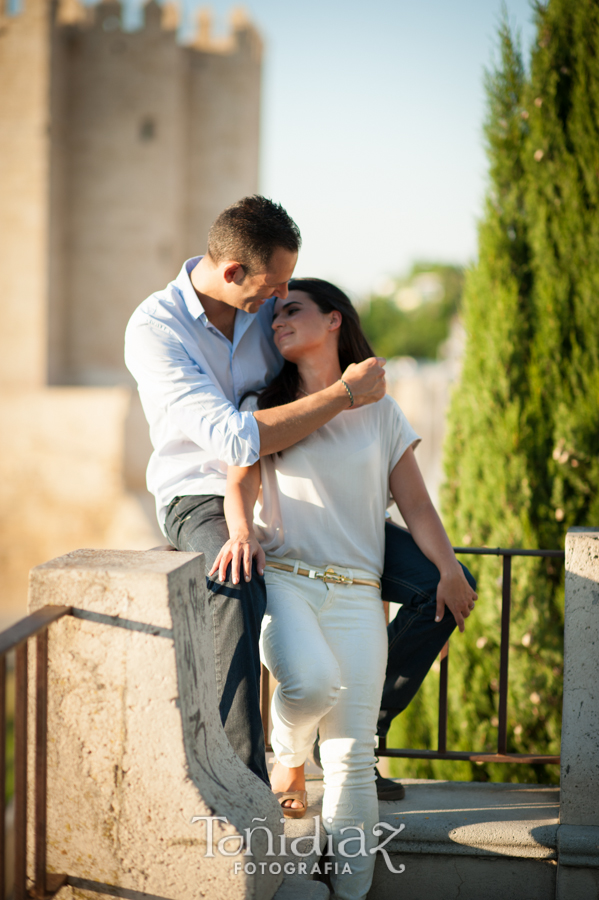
[(250, 231)]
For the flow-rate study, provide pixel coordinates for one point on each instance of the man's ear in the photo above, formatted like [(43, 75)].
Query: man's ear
[(336, 319), (233, 273)]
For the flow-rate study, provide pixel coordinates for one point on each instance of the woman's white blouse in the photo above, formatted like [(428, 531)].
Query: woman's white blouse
[(324, 499)]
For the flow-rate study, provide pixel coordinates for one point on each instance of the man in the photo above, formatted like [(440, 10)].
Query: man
[(196, 348)]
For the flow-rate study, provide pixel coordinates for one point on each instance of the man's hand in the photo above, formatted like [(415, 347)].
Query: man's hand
[(237, 551), (366, 380), (455, 593)]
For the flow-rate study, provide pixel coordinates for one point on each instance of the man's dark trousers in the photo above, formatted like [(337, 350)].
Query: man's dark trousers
[(197, 523)]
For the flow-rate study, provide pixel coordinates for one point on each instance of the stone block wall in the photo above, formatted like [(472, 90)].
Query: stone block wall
[(136, 749)]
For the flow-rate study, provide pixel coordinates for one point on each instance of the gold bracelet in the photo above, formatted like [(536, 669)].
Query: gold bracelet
[(349, 393)]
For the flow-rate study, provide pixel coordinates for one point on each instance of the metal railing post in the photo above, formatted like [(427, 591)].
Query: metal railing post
[(265, 704), (20, 890), (443, 681), (41, 766), (2, 774), (506, 602), (501, 756)]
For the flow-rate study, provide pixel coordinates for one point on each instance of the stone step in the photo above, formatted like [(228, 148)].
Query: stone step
[(460, 839), (469, 840)]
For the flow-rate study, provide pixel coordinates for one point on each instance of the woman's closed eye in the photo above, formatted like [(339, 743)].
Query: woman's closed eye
[(288, 311)]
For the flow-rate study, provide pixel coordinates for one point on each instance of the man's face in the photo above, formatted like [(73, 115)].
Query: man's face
[(249, 292)]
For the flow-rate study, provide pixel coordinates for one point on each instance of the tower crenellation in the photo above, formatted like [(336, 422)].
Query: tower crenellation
[(171, 16)]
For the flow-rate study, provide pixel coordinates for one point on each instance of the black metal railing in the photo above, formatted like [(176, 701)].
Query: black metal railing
[(16, 638), (501, 756)]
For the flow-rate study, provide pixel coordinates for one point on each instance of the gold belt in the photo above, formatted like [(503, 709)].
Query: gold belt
[(329, 575)]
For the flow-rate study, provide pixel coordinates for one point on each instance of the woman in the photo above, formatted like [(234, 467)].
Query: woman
[(318, 536)]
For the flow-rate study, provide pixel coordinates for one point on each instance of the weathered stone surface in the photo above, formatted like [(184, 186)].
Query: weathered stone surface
[(578, 846), (577, 884), (578, 835), (461, 840), (580, 724), (437, 877), (468, 841), (461, 818), (136, 748)]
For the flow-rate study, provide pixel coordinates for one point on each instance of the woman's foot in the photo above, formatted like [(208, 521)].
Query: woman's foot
[(286, 780)]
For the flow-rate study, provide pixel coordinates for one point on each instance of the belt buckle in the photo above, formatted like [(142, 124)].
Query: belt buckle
[(329, 575)]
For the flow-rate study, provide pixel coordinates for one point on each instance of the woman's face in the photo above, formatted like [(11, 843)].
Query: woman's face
[(300, 327)]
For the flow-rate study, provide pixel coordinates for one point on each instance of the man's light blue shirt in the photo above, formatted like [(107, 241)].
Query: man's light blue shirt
[(190, 379)]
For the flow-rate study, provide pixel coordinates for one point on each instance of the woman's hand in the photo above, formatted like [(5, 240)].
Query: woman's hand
[(366, 380), (239, 551)]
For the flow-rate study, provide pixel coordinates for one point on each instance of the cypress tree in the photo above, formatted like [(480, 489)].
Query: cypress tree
[(522, 448)]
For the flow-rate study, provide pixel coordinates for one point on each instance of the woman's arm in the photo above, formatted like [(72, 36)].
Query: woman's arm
[(243, 484), (410, 493)]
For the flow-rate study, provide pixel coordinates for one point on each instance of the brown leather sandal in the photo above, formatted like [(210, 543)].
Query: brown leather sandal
[(290, 812)]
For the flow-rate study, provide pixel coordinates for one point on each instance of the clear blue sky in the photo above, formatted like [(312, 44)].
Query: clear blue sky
[(372, 126)]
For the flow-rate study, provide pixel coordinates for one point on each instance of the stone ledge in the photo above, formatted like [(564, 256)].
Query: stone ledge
[(578, 845), (472, 819), (462, 818)]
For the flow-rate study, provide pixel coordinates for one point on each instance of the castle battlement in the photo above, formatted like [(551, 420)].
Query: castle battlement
[(107, 15), (241, 28)]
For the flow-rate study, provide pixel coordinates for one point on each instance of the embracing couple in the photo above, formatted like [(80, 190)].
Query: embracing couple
[(276, 454)]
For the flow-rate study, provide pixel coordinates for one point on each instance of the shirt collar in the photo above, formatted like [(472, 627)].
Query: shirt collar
[(243, 319), (186, 288)]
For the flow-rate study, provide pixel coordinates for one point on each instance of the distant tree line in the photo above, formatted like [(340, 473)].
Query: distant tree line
[(417, 332)]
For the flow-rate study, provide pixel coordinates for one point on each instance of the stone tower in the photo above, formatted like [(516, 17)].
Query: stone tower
[(117, 150)]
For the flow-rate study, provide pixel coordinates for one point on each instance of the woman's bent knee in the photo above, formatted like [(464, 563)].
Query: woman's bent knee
[(312, 692)]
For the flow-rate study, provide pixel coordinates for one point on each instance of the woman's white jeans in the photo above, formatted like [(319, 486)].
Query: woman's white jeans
[(326, 645)]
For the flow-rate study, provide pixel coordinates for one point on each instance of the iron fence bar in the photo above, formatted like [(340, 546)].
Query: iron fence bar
[(265, 702), (41, 766), (30, 626), (506, 600), (501, 755), (505, 551), (470, 755), (2, 775), (20, 890), (443, 682)]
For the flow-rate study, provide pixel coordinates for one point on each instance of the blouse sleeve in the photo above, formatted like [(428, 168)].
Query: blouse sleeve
[(402, 435)]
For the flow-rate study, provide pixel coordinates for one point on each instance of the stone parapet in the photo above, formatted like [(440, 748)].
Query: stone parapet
[(578, 836), (136, 748), (580, 723)]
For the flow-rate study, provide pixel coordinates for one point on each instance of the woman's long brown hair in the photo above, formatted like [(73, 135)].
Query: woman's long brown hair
[(353, 346)]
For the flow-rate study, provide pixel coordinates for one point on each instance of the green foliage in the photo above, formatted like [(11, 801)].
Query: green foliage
[(418, 332), (522, 448)]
